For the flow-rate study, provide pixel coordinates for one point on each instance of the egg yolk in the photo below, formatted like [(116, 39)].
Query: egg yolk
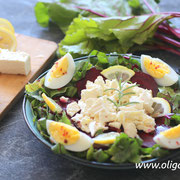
[(48, 102), (63, 133), (51, 104), (60, 67), (155, 69), (172, 133)]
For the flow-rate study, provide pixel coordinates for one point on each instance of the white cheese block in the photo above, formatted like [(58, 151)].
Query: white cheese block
[(14, 62)]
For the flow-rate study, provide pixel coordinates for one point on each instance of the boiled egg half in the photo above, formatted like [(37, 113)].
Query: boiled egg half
[(61, 72), (69, 136), (169, 139), (162, 73)]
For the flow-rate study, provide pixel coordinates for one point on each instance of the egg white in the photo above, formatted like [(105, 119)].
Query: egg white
[(168, 79), (83, 143), (55, 83), (167, 143)]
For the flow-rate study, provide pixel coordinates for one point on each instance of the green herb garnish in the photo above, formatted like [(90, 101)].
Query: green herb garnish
[(121, 94)]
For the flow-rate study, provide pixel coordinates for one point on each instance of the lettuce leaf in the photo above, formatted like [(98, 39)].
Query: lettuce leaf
[(111, 34), (65, 119), (64, 11), (125, 149), (100, 156), (69, 91), (60, 149), (36, 85), (173, 121), (103, 60), (81, 69)]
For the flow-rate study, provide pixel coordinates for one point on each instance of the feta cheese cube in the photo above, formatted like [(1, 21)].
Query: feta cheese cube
[(14, 62), (72, 108)]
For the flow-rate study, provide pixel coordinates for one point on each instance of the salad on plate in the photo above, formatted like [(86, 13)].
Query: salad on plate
[(108, 108)]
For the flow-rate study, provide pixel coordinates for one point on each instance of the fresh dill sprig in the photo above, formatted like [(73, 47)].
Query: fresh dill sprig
[(121, 94)]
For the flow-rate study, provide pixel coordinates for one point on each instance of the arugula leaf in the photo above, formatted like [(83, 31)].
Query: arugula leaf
[(125, 149), (102, 34)]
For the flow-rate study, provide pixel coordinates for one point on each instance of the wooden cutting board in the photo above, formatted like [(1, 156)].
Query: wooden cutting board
[(12, 86)]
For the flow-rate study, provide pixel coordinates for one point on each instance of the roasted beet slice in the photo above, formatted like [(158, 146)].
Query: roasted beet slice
[(145, 81), (148, 137), (91, 75)]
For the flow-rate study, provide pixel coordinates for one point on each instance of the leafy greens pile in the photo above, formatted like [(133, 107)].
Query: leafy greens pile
[(122, 25)]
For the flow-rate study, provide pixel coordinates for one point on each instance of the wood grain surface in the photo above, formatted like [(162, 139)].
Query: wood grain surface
[(12, 86)]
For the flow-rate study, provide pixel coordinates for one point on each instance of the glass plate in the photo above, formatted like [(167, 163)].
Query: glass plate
[(28, 116)]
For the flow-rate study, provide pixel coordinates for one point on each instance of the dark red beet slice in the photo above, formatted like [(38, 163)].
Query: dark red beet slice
[(148, 137), (145, 81), (91, 75)]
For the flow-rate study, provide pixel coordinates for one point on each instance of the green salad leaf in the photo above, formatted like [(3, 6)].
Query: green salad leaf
[(159, 152), (125, 149), (63, 12), (41, 12), (173, 121), (36, 85), (119, 34), (42, 123), (109, 60), (65, 119), (69, 90), (100, 156), (60, 149), (81, 69), (90, 152)]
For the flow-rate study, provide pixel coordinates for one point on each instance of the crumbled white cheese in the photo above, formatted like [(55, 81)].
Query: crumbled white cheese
[(72, 108), (115, 124), (63, 99), (14, 62), (98, 112)]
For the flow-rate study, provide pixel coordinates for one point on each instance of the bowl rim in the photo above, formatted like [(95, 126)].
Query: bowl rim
[(102, 165)]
